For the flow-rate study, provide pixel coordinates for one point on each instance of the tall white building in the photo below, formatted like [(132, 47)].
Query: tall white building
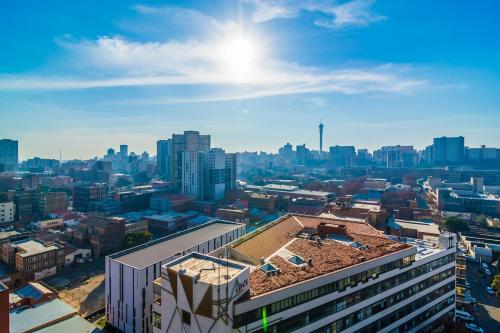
[(215, 168), (310, 274), (7, 212), (130, 273)]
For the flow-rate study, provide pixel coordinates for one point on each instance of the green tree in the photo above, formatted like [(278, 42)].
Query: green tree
[(455, 224), (136, 238)]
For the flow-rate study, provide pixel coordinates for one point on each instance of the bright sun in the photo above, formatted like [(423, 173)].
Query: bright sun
[(239, 54)]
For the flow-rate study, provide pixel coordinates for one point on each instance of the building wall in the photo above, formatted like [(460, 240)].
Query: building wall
[(129, 290), (7, 212), (313, 325)]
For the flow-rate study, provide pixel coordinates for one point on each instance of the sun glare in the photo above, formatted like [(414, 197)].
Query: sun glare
[(239, 54)]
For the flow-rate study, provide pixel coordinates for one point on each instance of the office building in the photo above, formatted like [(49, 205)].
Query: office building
[(309, 274), (34, 258), (163, 158), (9, 154), (215, 169), (84, 195), (448, 150), (102, 235), (123, 152), (7, 212), (24, 201), (301, 154), (342, 156), (231, 171), (130, 274), (48, 202)]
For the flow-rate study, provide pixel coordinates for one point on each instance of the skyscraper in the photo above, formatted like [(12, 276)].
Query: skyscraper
[(188, 159), (448, 150), (123, 151), (163, 158), (9, 154), (321, 126)]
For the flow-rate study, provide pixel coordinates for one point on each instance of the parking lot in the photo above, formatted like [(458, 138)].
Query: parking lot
[(81, 286), (487, 309)]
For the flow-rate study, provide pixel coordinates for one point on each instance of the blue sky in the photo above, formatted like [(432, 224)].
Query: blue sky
[(88, 75)]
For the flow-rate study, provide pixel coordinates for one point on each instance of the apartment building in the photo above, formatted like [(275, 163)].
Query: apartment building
[(7, 212), (310, 274), (130, 273)]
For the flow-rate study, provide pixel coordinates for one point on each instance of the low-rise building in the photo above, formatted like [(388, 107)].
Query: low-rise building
[(34, 258), (130, 273), (310, 274), (103, 235), (412, 229), (48, 224)]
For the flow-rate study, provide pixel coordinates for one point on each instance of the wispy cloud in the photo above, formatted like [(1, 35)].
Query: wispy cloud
[(115, 61), (336, 15)]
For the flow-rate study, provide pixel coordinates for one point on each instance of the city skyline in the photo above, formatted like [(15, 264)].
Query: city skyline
[(253, 74)]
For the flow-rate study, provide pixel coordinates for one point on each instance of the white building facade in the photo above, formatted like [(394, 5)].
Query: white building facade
[(130, 274), (7, 212)]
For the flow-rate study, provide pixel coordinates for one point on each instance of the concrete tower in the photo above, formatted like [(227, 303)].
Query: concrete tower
[(321, 137)]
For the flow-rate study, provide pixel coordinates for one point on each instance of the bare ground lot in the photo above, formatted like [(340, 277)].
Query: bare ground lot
[(81, 286)]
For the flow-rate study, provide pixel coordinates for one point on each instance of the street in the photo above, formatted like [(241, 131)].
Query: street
[(487, 311)]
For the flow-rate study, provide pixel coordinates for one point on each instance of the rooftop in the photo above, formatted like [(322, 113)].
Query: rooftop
[(292, 239), (28, 319), (207, 269), (152, 252), (428, 228), (32, 247)]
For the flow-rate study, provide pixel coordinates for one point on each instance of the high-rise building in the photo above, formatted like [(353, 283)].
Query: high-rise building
[(302, 154), (215, 169), (163, 158), (231, 171), (9, 154), (342, 155), (192, 173), (321, 126), (123, 151), (448, 150), (188, 157)]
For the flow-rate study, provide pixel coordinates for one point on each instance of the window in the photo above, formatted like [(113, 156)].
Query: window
[(186, 317), (157, 320)]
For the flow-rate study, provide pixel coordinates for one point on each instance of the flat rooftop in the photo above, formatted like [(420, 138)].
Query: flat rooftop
[(208, 269), (155, 251), (290, 241), (33, 247), (429, 228)]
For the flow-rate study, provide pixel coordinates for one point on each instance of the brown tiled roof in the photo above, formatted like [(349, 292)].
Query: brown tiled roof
[(327, 256)]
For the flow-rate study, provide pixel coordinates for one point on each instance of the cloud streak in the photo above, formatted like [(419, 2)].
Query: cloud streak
[(355, 13)]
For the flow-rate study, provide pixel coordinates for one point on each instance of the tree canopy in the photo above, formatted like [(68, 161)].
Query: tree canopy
[(455, 224), (136, 238)]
